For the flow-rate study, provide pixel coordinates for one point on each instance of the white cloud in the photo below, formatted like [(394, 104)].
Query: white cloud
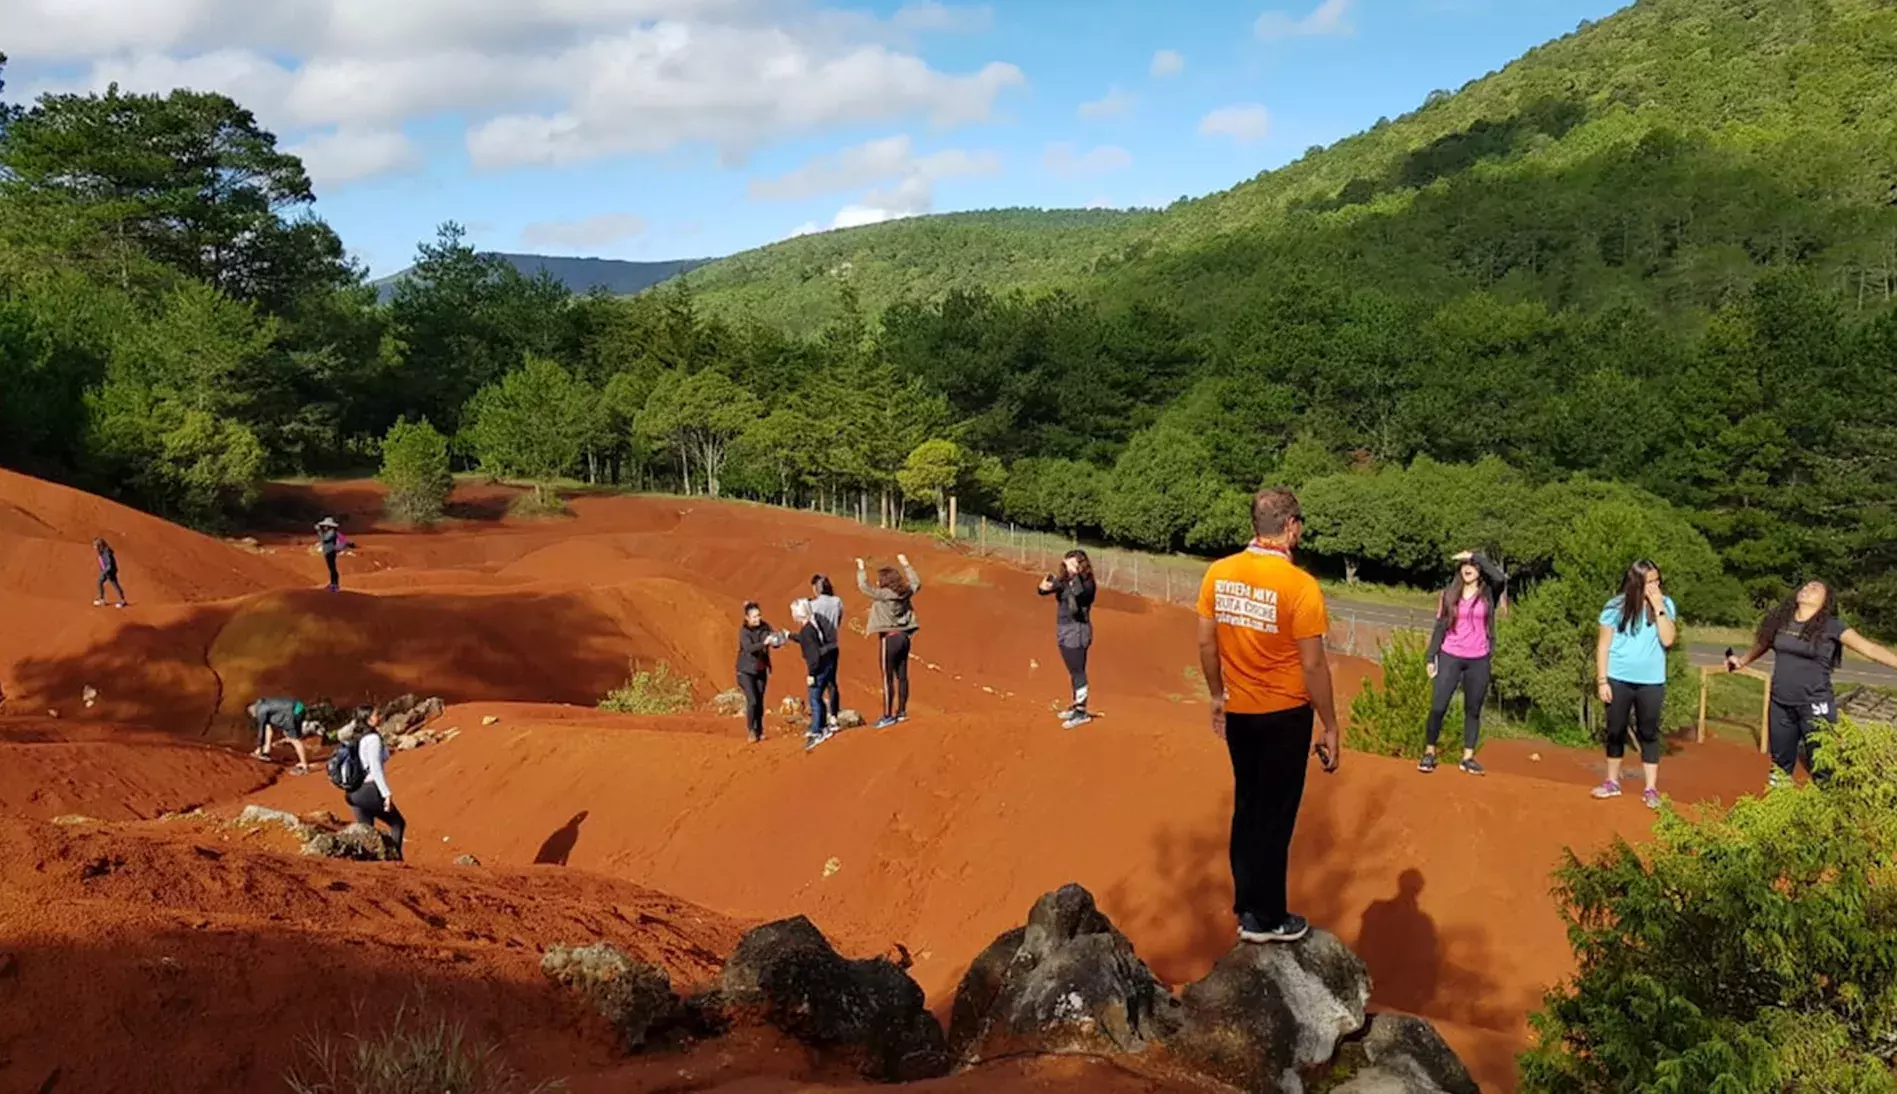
[(1244, 123), (1168, 62), (532, 81), (584, 234), (1330, 17), (345, 155), (868, 163), (1062, 159), (1101, 202), (1111, 105)]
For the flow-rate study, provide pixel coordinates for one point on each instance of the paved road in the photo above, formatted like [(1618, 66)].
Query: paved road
[(1388, 615)]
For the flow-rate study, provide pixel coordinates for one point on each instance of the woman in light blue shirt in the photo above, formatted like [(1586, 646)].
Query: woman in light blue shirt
[(1636, 629)]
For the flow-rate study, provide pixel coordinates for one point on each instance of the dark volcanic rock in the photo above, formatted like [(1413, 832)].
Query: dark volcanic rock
[(1268, 1014), (867, 1012)]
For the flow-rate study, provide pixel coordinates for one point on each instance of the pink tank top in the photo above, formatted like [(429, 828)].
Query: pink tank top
[(1468, 635)]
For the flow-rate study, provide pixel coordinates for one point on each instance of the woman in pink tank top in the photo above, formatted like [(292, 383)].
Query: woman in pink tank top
[(1459, 652)]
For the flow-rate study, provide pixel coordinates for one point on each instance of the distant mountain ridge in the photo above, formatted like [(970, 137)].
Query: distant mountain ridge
[(617, 276)]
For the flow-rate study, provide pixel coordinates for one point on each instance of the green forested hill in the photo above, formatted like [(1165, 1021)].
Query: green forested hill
[(1672, 151)]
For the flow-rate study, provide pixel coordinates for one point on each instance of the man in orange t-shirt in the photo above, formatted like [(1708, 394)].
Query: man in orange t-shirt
[(1261, 645)]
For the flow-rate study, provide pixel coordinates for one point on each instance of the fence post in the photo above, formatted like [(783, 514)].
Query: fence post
[(1136, 574)]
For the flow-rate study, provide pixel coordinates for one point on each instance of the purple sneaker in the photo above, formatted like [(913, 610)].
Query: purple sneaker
[(1608, 789)]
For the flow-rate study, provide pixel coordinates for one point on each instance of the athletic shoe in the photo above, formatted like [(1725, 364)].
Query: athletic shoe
[(902, 717), (812, 740), (1065, 714), (885, 722), (122, 604), (1608, 789), (1778, 780), (331, 588), (755, 737), (1252, 929), (1471, 767), (1427, 764), (98, 603), (1650, 798), (1076, 720)]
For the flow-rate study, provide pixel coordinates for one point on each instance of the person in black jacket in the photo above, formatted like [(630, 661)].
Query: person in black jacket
[(329, 537), (755, 640), (818, 640), (1459, 652), (108, 571), (1073, 589)]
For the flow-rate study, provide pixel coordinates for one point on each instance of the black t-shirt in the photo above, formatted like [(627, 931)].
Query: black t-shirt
[(1801, 670)]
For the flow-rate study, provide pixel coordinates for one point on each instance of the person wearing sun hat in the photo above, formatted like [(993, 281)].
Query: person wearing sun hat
[(329, 538)]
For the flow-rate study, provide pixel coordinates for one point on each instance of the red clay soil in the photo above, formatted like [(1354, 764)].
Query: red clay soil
[(54, 769), (937, 834)]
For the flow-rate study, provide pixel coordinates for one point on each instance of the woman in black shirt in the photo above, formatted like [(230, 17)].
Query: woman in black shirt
[(1807, 641), (755, 641), (1073, 589)]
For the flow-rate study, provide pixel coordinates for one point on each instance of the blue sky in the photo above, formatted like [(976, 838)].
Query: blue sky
[(675, 128)]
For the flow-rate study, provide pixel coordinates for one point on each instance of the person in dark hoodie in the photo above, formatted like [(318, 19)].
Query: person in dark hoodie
[(329, 537), (108, 572), (892, 619), (817, 638), (756, 639), (1460, 649), (1073, 589)]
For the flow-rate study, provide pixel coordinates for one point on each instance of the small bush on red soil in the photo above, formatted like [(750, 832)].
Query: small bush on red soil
[(657, 690), (414, 1052)]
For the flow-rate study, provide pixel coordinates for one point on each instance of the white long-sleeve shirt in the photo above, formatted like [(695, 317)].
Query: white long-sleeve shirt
[(373, 754)]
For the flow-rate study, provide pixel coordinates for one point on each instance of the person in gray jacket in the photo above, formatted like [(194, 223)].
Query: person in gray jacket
[(892, 619), (1073, 590), (826, 605)]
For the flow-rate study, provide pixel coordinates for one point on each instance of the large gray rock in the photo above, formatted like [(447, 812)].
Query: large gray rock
[(359, 842), (1267, 1016), (1067, 982), (634, 996), (1411, 1048), (1383, 1080), (868, 1013)]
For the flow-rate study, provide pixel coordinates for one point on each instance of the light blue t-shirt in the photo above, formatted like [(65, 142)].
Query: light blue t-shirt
[(1636, 656)]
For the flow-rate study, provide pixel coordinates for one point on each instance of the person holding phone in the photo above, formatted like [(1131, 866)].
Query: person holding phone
[(756, 639), (1073, 591), (1637, 627), (1262, 625), (892, 619), (1807, 641)]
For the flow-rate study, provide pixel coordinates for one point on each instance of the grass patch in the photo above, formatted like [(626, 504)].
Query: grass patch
[(531, 504), (412, 1052), (1395, 596), (657, 690)]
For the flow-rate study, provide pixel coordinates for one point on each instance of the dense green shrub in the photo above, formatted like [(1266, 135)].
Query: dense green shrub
[(415, 470), (657, 690), (1389, 719), (1745, 951)]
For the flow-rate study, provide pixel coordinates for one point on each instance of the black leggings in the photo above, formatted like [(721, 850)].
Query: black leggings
[(1789, 732), (1075, 658), (366, 803), (1472, 675), (330, 557), (112, 576), (895, 653), (752, 684), (1643, 703)]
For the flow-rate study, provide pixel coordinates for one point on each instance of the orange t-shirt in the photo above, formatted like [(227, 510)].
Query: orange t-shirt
[(1263, 605)]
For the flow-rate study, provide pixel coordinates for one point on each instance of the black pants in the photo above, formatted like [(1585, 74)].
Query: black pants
[(1075, 658), (330, 558), (895, 654), (1472, 675), (289, 732), (367, 804), (1269, 756), (752, 684), (832, 694), (1789, 733), (112, 576), (1642, 703)]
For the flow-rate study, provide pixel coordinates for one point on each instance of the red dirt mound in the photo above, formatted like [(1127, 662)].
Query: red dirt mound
[(57, 769)]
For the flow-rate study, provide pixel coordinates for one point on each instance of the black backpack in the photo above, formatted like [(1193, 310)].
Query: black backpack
[(345, 768), (826, 635)]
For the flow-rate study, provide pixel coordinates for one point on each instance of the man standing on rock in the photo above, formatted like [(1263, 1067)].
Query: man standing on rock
[(1261, 645)]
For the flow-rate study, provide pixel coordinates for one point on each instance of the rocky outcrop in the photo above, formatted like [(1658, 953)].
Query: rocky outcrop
[(868, 1013), (1407, 1056), (359, 842), (728, 703), (634, 996), (1069, 981)]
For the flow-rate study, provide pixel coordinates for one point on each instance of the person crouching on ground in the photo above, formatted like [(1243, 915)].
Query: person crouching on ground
[(818, 641), (1261, 646), (285, 716), (892, 619), (370, 800), (755, 641)]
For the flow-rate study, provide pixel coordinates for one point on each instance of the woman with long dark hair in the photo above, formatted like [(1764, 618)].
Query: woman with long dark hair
[(1459, 654), (1637, 627), (1807, 641), (108, 572), (1073, 589), (892, 619), (825, 604)]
